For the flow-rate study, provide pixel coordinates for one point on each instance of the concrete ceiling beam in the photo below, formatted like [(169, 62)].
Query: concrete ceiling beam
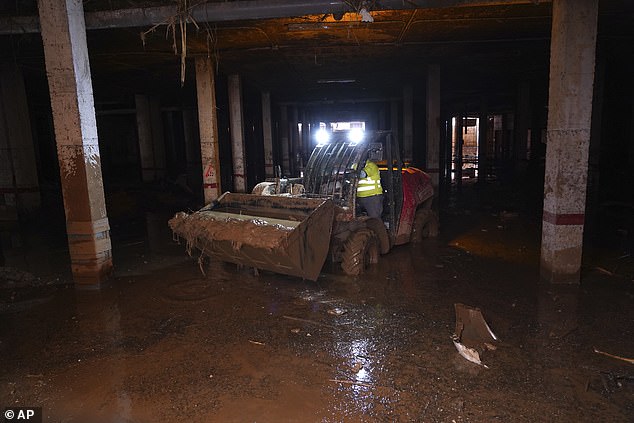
[(235, 11)]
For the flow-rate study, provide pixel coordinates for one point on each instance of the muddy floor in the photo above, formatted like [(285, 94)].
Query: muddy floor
[(163, 343)]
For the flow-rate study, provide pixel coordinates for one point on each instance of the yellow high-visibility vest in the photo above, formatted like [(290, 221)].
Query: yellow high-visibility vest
[(371, 184)]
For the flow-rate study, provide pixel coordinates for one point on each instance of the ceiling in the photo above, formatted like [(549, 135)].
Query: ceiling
[(483, 47)]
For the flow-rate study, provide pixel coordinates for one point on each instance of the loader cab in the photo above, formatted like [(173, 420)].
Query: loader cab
[(334, 166), (390, 168)]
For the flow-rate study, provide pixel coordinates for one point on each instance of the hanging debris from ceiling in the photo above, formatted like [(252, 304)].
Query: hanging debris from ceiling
[(177, 28), (362, 8)]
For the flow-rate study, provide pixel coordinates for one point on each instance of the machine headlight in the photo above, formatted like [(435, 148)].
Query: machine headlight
[(322, 137), (355, 135)]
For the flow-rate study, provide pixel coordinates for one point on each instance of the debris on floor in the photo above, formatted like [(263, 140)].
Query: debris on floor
[(15, 278), (472, 335), (357, 367), (337, 311), (627, 360), (614, 382)]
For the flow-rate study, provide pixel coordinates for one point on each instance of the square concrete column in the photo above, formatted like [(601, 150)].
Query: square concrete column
[(267, 135), (458, 144), (286, 160), (304, 140), (433, 124), (192, 148), (572, 59), (483, 141), (382, 117), (208, 127), (151, 137), (237, 133), (294, 141), (394, 120), (522, 124), (70, 86), (631, 155), (408, 123), (18, 169)]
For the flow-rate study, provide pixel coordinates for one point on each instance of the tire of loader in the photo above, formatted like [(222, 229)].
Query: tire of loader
[(360, 249), (425, 225)]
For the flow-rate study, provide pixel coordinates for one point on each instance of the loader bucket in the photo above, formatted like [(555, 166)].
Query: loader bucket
[(282, 234)]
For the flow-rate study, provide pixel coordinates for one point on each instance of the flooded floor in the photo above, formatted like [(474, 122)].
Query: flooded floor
[(163, 342)]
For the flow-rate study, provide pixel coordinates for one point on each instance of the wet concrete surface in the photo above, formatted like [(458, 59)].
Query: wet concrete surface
[(162, 342)]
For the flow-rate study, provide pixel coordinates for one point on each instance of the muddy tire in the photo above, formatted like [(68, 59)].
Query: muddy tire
[(360, 249), (425, 225)]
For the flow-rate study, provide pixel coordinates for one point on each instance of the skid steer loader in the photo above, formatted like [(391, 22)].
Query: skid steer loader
[(291, 225)]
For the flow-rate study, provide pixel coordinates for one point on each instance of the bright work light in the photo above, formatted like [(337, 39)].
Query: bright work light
[(322, 136), (355, 135)]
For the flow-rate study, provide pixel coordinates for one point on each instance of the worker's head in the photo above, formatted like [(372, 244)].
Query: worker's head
[(362, 172), (376, 153)]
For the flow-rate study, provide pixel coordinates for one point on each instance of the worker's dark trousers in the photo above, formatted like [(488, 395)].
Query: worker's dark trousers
[(373, 205)]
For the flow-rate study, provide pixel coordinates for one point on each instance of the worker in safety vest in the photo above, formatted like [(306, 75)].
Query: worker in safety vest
[(369, 190)]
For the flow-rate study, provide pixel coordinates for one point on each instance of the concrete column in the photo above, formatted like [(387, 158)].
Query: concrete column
[(70, 86), (483, 148), (170, 135), (522, 123), (394, 121), (295, 147), (208, 128), (192, 149), (267, 135), (447, 150), (191, 144), (382, 117), (508, 123), (158, 138), (572, 58), (498, 139), (408, 123), (631, 157), (18, 169), (459, 140), (286, 161), (151, 138), (144, 133), (237, 133), (433, 124), (303, 138)]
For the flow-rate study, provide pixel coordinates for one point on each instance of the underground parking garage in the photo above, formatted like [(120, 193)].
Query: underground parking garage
[(116, 116)]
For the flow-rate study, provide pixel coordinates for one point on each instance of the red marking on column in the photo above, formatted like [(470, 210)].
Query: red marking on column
[(564, 219)]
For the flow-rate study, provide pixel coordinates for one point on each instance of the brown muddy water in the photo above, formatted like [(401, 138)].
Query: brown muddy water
[(163, 343)]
